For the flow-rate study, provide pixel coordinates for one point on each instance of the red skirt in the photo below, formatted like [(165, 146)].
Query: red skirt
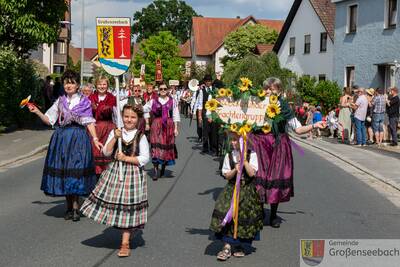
[(162, 139), (103, 129)]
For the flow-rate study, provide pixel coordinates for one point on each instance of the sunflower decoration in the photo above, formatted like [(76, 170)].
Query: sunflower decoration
[(222, 92), (245, 129), (261, 93), (246, 84), (211, 105), (229, 92), (273, 99), (266, 128), (273, 110), (234, 128)]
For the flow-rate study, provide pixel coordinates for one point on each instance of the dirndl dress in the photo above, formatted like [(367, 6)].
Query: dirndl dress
[(274, 178), (104, 125), (162, 137), (122, 204), (69, 166), (251, 212)]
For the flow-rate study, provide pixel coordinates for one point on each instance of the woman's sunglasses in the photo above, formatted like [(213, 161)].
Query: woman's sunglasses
[(137, 91), (163, 89)]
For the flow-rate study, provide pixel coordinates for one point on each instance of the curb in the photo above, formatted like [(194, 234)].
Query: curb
[(28, 155), (356, 165)]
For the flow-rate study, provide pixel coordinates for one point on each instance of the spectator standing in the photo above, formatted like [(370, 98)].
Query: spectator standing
[(393, 106), (317, 117), (368, 120), (360, 112), (345, 114), (378, 105)]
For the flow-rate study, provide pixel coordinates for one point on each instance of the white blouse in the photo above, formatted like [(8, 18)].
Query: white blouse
[(226, 167), (127, 136), (175, 110), (52, 113)]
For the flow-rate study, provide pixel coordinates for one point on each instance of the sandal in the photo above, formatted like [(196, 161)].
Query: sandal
[(239, 252), (225, 253), (124, 251)]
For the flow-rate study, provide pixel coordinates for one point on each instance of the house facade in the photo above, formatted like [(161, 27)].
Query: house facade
[(55, 56), (206, 44), (367, 43), (305, 44)]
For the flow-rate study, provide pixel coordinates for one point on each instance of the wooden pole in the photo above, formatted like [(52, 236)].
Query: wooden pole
[(119, 120)]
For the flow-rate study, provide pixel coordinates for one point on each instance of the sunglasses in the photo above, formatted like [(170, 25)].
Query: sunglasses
[(163, 89), (137, 91)]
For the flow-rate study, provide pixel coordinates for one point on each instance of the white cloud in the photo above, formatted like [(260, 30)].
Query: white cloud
[(266, 9)]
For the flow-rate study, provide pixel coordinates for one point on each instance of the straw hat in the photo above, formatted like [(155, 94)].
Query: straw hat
[(370, 91)]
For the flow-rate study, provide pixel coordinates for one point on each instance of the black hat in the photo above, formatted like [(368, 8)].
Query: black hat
[(207, 77)]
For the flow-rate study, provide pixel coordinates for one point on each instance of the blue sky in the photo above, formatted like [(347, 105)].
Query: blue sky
[(265, 9)]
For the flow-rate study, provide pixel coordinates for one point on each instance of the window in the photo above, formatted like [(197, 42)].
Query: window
[(307, 44), (59, 47), (352, 19), (391, 13), (323, 42), (292, 47), (322, 77), (350, 76), (58, 69)]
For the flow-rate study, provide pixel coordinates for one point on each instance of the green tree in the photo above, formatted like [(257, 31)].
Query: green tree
[(199, 71), (244, 40), (257, 69), (164, 15), (24, 24), (75, 67), (324, 93), (165, 47)]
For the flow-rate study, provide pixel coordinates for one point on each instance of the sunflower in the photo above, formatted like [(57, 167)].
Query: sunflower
[(233, 127), (246, 82), (273, 99), (211, 105), (229, 92), (222, 92), (244, 88), (261, 93), (273, 110), (266, 128), (245, 129)]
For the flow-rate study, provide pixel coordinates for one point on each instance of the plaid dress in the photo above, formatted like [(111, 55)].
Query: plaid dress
[(120, 204)]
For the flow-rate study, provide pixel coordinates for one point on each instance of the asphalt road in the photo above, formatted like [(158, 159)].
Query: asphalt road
[(328, 203)]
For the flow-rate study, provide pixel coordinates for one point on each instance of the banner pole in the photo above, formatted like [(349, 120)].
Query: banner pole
[(119, 120)]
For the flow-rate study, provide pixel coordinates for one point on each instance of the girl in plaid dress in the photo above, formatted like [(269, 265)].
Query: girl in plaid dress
[(122, 201)]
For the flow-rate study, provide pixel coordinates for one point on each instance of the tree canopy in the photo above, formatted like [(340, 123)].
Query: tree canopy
[(26, 24), (244, 40), (164, 15), (165, 47)]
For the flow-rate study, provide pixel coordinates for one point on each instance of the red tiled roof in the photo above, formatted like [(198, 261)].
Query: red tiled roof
[(209, 33), (326, 11), (261, 49), (75, 53), (185, 50)]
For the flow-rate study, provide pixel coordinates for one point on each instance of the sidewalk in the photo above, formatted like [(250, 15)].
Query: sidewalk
[(383, 164), (22, 144)]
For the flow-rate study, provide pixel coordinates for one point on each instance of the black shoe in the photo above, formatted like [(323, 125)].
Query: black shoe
[(205, 151), (162, 172), (155, 174), (76, 216), (68, 215), (275, 223), (393, 144)]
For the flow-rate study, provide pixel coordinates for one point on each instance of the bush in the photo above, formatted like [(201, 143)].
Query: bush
[(256, 69), (18, 79), (325, 93)]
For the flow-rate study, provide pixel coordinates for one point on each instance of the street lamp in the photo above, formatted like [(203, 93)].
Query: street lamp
[(82, 39)]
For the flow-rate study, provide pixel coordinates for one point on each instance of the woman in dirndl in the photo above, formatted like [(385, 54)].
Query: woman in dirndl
[(103, 104), (164, 128), (122, 201), (274, 181), (69, 167)]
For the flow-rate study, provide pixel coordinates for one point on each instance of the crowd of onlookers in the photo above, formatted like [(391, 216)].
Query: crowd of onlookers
[(363, 117)]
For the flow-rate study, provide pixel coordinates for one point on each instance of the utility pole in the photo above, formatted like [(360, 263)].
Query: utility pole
[(82, 40)]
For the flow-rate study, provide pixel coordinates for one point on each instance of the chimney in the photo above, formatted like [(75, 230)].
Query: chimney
[(238, 17)]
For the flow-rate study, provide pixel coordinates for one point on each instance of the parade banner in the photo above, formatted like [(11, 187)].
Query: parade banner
[(114, 44), (252, 111)]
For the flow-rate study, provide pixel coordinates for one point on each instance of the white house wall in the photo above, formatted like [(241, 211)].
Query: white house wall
[(307, 22), (221, 52)]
